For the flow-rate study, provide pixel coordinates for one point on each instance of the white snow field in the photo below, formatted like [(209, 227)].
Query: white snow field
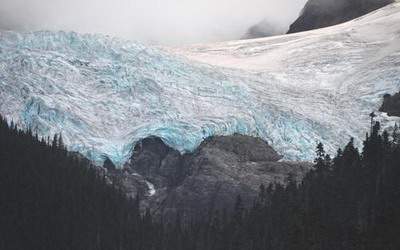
[(104, 94)]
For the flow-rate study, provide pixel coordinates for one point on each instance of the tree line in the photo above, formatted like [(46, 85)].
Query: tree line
[(53, 199)]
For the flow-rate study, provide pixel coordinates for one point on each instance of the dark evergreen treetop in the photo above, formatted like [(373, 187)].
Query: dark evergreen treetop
[(52, 199)]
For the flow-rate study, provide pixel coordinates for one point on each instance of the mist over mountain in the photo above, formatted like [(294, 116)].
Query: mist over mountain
[(317, 14), (264, 28), (172, 22)]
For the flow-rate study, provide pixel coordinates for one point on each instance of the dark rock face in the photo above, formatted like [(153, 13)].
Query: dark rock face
[(323, 13), (246, 148), (157, 162), (133, 184), (211, 177), (109, 165), (262, 29), (391, 104)]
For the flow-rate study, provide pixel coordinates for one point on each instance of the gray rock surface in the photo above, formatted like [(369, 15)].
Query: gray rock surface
[(322, 13), (263, 29), (132, 183), (158, 163), (209, 178), (391, 104)]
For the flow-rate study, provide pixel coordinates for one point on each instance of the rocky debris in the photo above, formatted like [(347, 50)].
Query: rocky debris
[(323, 13), (391, 104), (210, 178)]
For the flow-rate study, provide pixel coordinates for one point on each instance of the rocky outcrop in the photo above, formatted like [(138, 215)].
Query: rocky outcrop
[(391, 104), (322, 13), (209, 178), (131, 183), (158, 163), (262, 29)]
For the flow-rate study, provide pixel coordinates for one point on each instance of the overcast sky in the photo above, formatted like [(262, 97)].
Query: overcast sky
[(171, 22)]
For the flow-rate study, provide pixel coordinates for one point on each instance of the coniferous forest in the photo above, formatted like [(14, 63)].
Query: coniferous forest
[(53, 199)]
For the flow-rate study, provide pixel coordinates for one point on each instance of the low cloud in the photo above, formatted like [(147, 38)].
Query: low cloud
[(151, 21)]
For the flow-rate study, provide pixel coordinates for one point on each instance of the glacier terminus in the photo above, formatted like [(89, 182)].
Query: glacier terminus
[(104, 94)]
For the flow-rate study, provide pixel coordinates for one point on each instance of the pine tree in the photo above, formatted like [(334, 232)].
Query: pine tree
[(320, 159), (396, 134)]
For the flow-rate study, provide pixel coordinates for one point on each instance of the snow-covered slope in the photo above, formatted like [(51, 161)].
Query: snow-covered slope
[(105, 94)]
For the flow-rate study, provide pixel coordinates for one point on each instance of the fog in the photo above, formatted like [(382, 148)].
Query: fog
[(170, 22)]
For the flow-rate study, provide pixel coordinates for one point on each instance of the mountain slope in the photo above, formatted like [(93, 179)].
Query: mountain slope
[(262, 29), (322, 13), (106, 94)]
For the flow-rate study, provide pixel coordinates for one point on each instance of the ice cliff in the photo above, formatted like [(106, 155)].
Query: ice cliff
[(105, 94)]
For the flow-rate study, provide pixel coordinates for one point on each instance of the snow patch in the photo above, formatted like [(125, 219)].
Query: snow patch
[(152, 190)]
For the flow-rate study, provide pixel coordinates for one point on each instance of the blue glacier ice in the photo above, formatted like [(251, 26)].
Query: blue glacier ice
[(104, 94)]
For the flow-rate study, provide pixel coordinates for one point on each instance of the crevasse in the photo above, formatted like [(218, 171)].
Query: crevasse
[(104, 94)]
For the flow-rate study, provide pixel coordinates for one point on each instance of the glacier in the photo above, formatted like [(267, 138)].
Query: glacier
[(104, 94)]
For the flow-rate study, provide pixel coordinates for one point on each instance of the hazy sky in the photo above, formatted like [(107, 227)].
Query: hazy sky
[(150, 21)]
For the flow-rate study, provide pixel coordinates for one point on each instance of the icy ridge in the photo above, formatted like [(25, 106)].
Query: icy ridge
[(104, 94)]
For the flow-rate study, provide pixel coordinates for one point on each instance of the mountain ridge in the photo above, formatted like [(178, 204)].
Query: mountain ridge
[(323, 13)]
